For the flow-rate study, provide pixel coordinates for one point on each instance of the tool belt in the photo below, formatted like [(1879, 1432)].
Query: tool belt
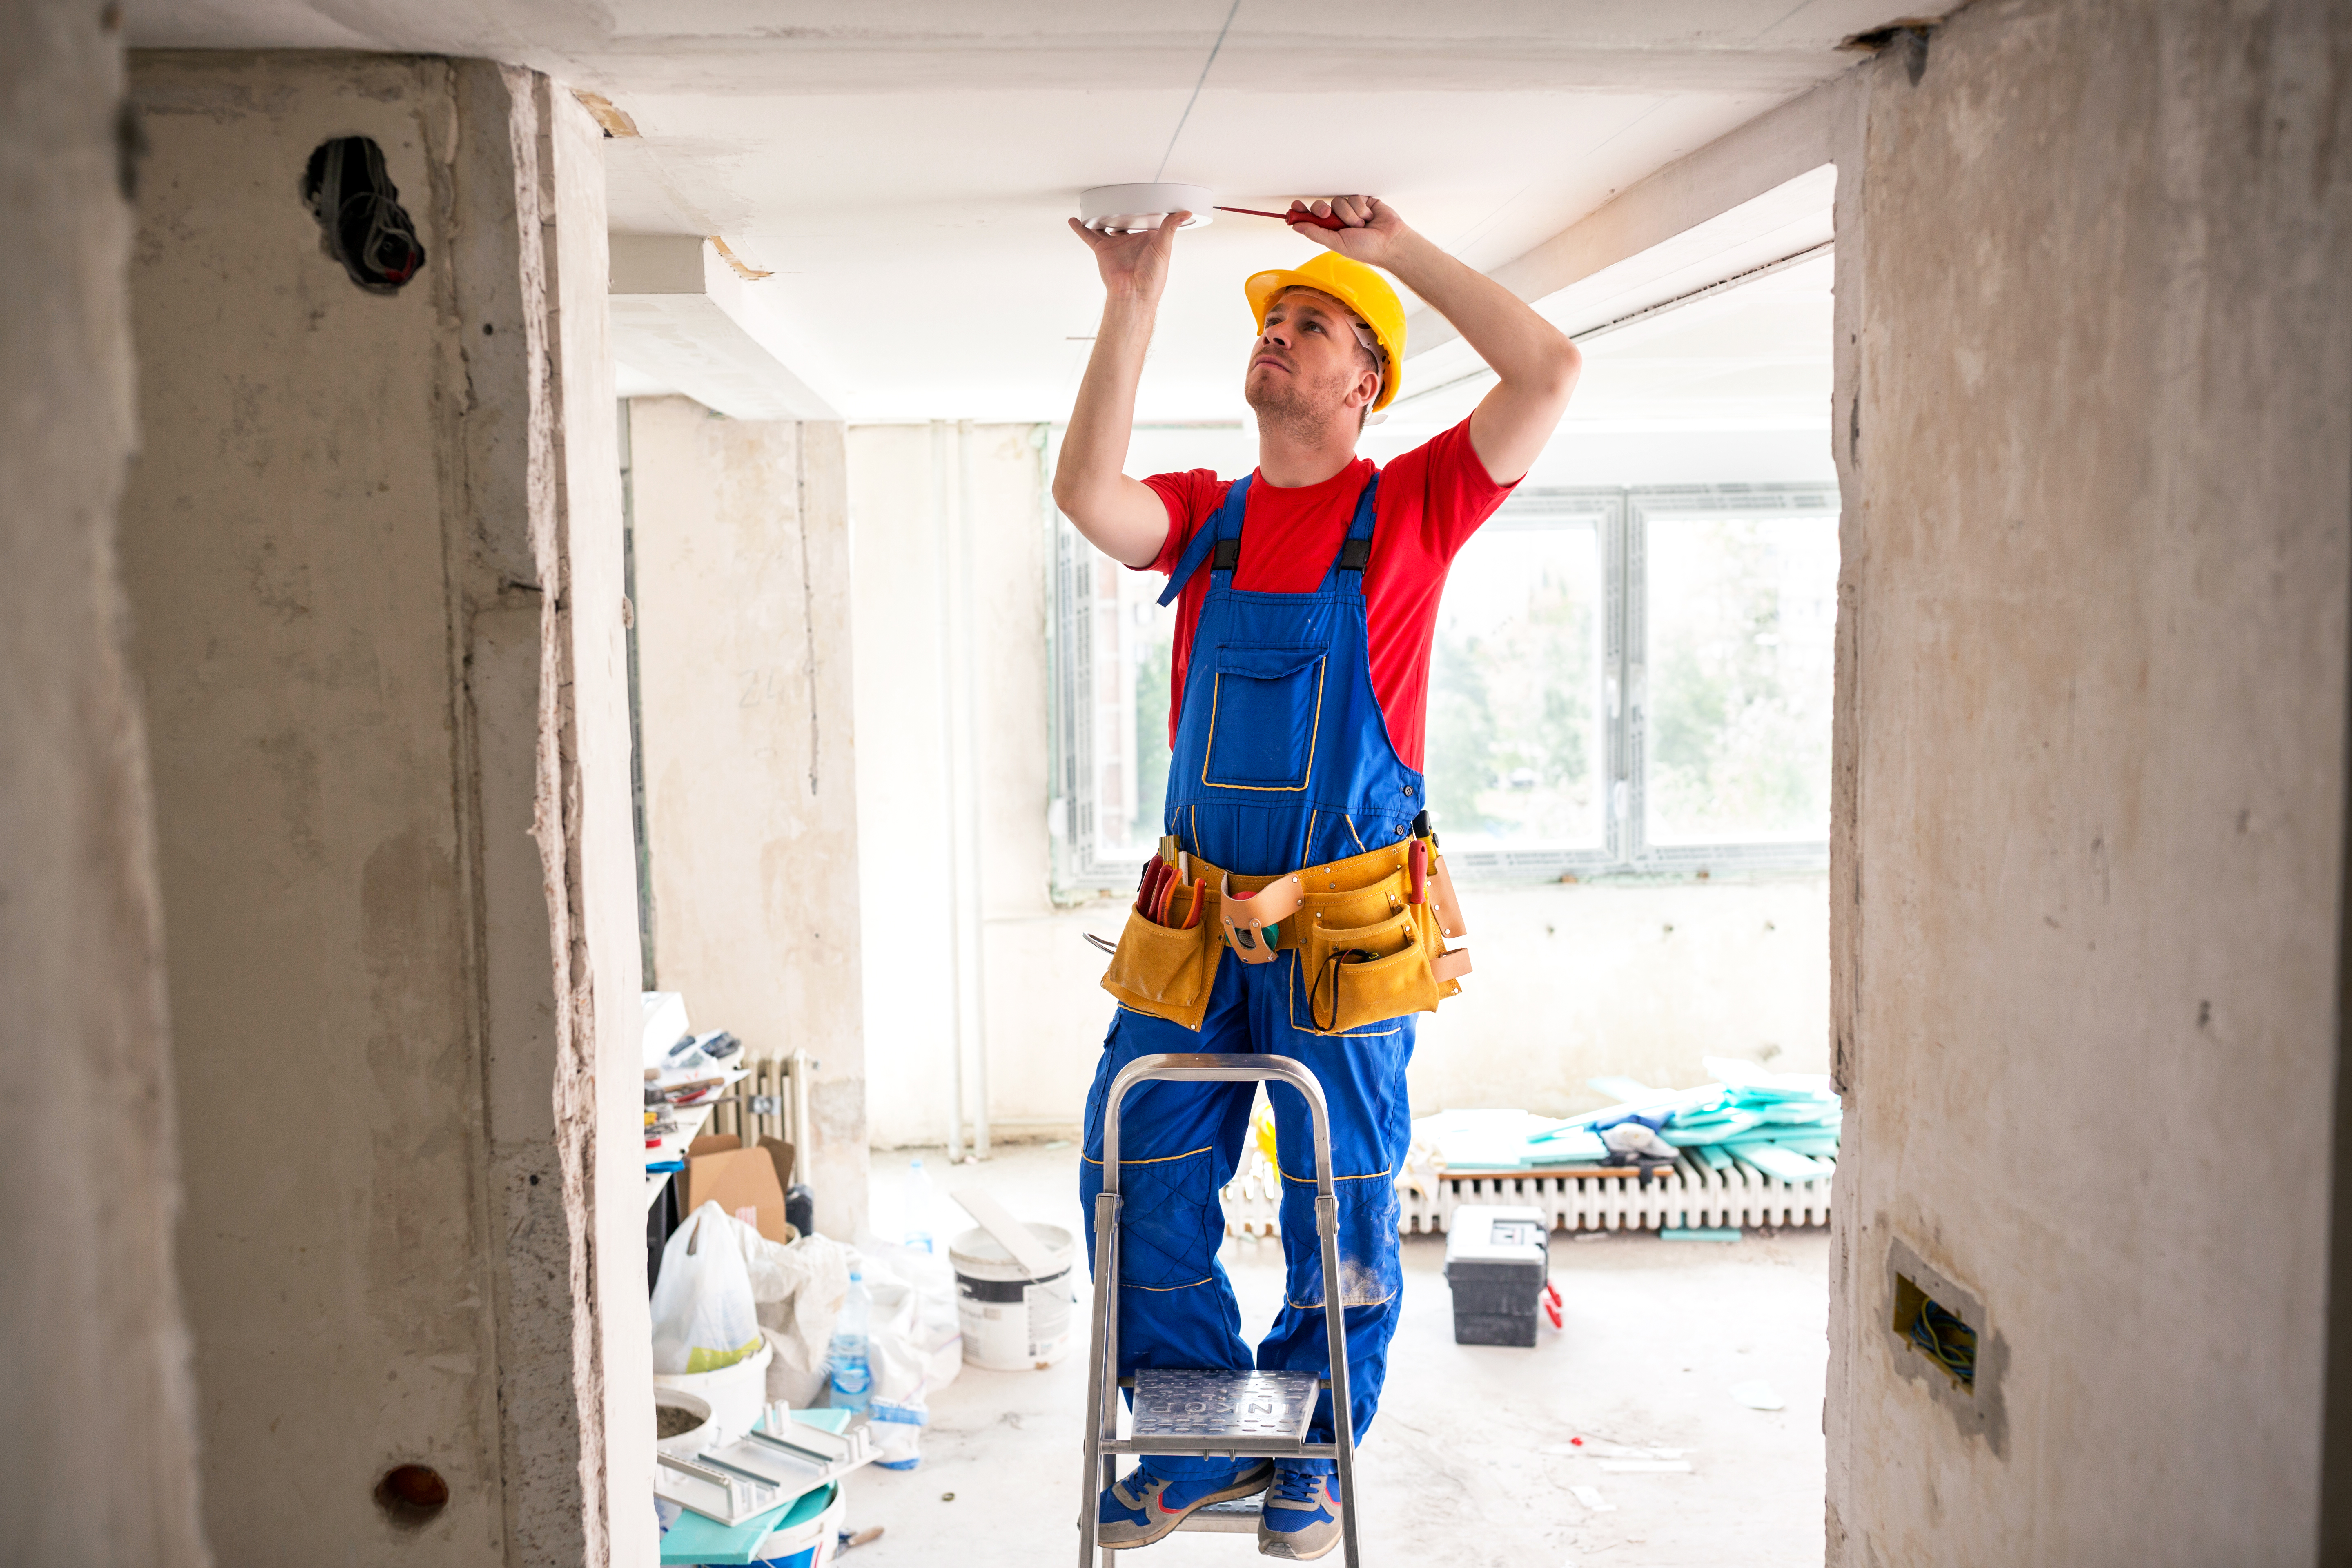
[(1370, 934)]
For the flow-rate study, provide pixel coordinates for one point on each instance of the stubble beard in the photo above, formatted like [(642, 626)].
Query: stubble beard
[(1308, 414)]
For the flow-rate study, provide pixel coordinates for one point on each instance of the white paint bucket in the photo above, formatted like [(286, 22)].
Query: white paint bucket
[(736, 1393), (1012, 1319)]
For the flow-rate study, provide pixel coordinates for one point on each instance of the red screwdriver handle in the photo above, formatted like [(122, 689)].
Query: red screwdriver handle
[(1329, 221)]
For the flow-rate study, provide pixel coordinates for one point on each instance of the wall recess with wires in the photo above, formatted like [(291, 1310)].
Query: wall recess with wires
[(362, 224), (1945, 1344)]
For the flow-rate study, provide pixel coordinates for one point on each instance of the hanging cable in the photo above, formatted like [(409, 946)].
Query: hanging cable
[(1196, 90), (362, 224)]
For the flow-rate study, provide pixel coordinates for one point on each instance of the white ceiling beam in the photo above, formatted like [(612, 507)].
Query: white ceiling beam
[(1728, 196), (682, 317)]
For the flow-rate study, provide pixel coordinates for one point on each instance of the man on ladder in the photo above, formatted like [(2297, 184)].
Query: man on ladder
[(1299, 707)]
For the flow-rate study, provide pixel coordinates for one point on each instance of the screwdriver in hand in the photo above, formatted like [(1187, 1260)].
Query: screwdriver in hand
[(1331, 220)]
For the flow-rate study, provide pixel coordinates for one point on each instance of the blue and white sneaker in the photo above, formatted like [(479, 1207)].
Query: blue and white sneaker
[(1301, 1521), (1145, 1506)]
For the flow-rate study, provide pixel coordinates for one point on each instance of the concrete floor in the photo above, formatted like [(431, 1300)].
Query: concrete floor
[(1470, 1462)]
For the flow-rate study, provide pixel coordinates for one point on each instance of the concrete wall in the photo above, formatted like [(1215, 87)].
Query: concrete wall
[(1571, 981), (743, 642), (97, 1457), (372, 551), (2092, 716)]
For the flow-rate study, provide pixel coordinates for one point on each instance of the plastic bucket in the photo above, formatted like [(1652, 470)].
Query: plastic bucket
[(736, 1393), (807, 1544), (1012, 1320)]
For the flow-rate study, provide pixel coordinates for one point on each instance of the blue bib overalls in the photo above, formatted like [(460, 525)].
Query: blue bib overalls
[(1282, 760)]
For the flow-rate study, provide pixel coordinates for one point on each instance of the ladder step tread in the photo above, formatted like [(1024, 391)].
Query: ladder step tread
[(1183, 1403), (1238, 1516)]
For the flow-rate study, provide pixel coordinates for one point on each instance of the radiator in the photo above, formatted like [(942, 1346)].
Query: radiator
[(1688, 1195), (772, 1102)]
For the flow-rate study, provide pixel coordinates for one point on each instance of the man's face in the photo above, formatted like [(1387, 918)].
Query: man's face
[(1307, 364)]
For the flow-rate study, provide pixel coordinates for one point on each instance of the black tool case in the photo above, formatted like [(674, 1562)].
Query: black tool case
[(1496, 1261)]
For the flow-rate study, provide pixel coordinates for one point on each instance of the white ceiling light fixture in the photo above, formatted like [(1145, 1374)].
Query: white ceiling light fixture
[(1142, 208)]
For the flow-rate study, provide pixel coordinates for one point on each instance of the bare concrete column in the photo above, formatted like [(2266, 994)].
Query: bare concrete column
[(743, 603), (97, 1449), (373, 544), (2096, 427)]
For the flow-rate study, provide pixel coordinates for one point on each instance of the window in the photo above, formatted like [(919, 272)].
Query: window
[(1623, 680)]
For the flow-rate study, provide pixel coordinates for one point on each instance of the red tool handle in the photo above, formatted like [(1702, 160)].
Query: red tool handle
[(1165, 896), (1552, 1309), (1331, 221), (1153, 870), (1417, 860)]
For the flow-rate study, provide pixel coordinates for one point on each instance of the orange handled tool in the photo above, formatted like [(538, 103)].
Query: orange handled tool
[(1417, 860), (1149, 890)]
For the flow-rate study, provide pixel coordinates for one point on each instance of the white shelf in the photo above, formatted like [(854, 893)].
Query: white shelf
[(690, 1119)]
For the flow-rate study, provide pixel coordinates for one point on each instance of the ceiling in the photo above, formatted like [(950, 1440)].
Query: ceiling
[(903, 168)]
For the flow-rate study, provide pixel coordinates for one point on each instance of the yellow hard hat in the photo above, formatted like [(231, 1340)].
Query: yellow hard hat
[(1354, 284)]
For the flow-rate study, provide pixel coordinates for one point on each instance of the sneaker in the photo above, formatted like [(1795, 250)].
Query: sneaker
[(1143, 1507), (1301, 1521)]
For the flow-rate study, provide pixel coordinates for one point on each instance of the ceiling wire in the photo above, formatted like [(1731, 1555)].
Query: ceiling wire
[(1196, 90)]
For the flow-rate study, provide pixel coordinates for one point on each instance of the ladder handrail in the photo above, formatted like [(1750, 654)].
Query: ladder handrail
[(1219, 1067)]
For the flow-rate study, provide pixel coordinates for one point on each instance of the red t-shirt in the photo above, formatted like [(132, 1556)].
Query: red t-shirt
[(1431, 500)]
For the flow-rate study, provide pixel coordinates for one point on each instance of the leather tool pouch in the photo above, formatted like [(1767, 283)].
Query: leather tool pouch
[(1368, 955), (1357, 975), (1164, 969)]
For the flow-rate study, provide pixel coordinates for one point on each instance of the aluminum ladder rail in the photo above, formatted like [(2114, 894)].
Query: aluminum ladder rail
[(1104, 1445)]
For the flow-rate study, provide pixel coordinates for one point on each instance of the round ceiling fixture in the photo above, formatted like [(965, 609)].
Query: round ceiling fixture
[(1140, 208)]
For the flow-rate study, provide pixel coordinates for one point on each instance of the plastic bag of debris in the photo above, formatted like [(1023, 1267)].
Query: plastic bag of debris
[(703, 1312), (797, 1291)]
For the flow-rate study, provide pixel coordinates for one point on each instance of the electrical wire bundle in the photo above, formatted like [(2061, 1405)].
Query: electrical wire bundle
[(1945, 1340), (360, 221)]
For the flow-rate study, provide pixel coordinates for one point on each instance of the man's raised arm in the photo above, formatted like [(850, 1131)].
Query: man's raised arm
[(1122, 516), (1537, 363)]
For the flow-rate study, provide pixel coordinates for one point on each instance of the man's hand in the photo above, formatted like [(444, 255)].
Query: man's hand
[(1535, 366), (1372, 235), (1133, 266)]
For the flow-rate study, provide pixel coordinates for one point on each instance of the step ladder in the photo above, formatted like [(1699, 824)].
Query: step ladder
[(1213, 1413)]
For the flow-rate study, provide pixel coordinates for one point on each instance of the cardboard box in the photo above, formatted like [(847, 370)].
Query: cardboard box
[(736, 1179)]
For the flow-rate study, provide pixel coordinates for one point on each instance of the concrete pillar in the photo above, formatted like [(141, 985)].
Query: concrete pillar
[(97, 1451), (742, 604), (2097, 430), (372, 546)]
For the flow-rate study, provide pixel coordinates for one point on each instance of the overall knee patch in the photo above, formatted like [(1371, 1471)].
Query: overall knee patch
[(1170, 1221), (1369, 1270)]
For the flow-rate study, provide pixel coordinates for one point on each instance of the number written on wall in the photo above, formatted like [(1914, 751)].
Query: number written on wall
[(761, 686)]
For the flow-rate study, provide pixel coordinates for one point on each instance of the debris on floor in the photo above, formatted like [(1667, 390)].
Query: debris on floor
[(1785, 1124)]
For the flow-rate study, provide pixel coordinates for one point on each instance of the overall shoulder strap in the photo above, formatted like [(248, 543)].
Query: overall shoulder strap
[(1221, 531), (1356, 549)]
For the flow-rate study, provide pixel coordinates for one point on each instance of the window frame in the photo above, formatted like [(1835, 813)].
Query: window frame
[(1621, 516)]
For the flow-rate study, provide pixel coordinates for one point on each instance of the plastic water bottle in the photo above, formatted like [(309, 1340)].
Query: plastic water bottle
[(853, 1367), (919, 1207)]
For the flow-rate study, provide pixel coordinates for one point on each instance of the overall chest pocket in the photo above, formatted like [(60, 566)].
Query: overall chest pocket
[(1266, 708)]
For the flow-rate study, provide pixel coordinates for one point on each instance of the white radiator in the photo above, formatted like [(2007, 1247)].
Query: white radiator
[(1688, 1195)]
